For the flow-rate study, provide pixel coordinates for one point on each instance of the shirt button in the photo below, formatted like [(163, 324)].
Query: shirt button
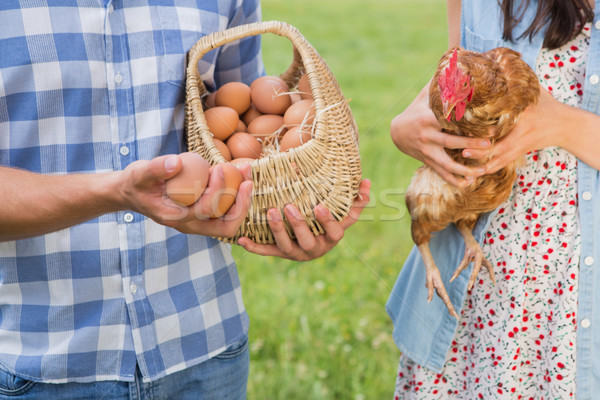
[(594, 79), (119, 78), (133, 289), (597, 24), (128, 217), (585, 323), (589, 260), (124, 150), (586, 195)]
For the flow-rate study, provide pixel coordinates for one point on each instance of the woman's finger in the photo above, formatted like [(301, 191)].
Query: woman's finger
[(450, 141)]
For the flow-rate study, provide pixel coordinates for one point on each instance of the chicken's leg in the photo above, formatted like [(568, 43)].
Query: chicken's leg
[(434, 280), (473, 253)]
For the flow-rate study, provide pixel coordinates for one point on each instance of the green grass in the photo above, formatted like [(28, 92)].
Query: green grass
[(319, 329)]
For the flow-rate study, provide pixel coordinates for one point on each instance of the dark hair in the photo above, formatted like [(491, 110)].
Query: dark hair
[(565, 19)]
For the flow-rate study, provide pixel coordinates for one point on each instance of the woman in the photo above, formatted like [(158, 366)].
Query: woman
[(530, 335)]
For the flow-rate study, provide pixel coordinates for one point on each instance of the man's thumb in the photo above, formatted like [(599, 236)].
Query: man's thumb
[(165, 167)]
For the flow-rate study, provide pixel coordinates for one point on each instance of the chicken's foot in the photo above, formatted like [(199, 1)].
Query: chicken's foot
[(473, 253), (434, 280)]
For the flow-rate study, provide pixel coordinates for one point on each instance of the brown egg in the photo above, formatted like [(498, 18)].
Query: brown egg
[(187, 186), (304, 87), (223, 149), (244, 145), (265, 125), (270, 95), (300, 113), (225, 199), (209, 100), (293, 138), (234, 95), (221, 121), (249, 115), (241, 127)]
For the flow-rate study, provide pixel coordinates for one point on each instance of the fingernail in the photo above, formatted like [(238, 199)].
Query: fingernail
[(481, 171), (467, 154), (484, 143), (171, 163), (321, 210), (292, 211), (274, 216)]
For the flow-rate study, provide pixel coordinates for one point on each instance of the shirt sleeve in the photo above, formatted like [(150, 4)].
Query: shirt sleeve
[(241, 61)]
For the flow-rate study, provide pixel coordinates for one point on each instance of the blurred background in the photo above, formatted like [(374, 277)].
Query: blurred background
[(319, 329)]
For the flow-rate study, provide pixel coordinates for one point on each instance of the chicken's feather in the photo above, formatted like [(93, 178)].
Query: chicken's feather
[(503, 86)]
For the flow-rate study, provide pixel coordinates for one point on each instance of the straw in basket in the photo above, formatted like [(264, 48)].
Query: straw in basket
[(326, 169)]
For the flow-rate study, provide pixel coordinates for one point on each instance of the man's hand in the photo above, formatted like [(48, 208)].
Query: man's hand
[(307, 246), (143, 191)]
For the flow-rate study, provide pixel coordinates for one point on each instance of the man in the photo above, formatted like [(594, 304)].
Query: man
[(107, 289)]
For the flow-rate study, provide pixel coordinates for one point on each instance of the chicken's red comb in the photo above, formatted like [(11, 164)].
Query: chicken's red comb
[(448, 75)]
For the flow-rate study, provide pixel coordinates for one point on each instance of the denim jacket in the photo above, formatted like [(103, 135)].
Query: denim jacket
[(424, 331)]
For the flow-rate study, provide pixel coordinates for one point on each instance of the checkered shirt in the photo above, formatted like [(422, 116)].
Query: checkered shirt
[(89, 86)]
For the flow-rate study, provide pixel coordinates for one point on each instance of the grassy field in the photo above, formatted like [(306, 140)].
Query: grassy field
[(319, 329)]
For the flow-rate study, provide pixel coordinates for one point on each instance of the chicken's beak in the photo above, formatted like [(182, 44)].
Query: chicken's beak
[(447, 108)]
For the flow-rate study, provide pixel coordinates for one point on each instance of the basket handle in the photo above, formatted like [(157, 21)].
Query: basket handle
[(304, 56)]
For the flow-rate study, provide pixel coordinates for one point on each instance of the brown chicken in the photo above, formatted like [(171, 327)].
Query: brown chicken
[(476, 95)]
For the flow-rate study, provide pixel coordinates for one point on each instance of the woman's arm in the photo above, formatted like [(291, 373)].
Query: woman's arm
[(453, 10), (417, 133)]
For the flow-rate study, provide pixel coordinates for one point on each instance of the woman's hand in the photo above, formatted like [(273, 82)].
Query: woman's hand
[(548, 123), (307, 246), (417, 133)]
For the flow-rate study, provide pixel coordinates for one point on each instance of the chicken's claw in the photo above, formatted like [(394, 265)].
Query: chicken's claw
[(473, 253), (434, 281)]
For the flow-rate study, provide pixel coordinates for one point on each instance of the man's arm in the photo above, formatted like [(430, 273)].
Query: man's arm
[(35, 204)]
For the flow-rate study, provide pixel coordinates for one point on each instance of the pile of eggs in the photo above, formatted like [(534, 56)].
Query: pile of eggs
[(247, 121)]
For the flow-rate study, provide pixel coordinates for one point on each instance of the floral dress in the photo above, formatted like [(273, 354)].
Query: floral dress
[(516, 340)]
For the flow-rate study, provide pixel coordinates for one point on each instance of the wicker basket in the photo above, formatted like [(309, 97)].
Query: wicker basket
[(326, 169)]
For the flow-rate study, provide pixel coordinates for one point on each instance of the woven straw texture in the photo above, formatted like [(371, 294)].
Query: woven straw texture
[(325, 169)]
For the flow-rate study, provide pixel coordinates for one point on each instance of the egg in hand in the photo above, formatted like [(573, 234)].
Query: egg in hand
[(187, 186)]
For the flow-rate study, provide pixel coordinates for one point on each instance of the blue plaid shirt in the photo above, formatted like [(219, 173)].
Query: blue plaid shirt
[(91, 86)]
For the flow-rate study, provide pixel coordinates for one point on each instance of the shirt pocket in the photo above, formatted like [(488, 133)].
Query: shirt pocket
[(181, 28), (475, 41)]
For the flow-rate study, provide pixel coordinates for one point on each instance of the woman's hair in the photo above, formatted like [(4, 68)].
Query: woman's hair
[(565, 19)]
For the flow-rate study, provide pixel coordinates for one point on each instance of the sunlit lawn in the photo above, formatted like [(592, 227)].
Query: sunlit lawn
[(319, 329)]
